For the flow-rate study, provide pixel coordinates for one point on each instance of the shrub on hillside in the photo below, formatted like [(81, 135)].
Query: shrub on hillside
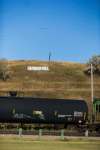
[(95, 61), (4, 70)]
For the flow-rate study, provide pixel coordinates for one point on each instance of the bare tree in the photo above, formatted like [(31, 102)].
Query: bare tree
[(95, 61), (4, 70)]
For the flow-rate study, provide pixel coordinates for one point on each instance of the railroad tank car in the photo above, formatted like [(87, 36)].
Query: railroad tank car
[(42, 110), (96, 114)]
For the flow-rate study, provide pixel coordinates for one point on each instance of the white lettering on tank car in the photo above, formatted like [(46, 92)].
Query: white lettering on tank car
[(63, 116), (78, 114)]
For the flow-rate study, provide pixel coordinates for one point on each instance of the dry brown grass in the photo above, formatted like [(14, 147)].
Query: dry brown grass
[(64, 80)]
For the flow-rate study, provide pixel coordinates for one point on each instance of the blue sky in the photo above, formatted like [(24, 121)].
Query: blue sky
[(30, 29)]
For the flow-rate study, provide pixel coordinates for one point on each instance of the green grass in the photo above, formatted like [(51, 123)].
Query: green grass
[(16, 143)]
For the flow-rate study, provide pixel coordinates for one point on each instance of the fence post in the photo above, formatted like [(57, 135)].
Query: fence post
[(40, 133), (20, 132), (86, 133), (62, 134)]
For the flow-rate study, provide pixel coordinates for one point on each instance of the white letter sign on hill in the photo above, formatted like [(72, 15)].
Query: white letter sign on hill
[(37, 68)]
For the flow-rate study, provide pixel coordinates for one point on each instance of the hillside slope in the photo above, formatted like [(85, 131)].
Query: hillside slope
[(63, 80)]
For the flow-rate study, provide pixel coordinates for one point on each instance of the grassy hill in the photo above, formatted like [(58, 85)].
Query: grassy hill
[(63, 80)]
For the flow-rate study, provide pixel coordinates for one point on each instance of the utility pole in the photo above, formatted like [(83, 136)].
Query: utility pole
[(49, 56), (92, 88)]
